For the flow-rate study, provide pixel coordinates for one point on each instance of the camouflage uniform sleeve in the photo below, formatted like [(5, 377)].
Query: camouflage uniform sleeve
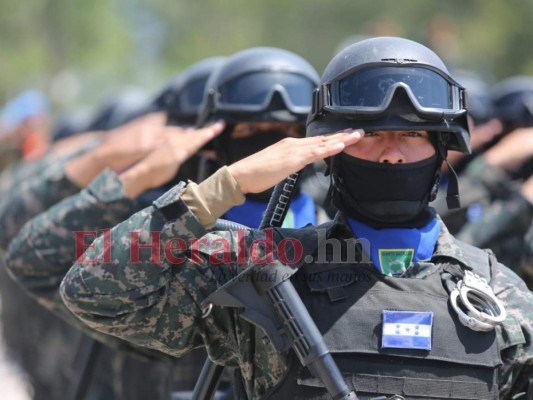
[(45, 248), (515, 336), (490, 177), (503, 218), (145, 281), (9, 154), (18, 175), (32, 188), (8, 175), (43, 251), (36, 197)]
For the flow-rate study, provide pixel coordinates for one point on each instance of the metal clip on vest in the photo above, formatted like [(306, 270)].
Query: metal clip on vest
[(476, 305)]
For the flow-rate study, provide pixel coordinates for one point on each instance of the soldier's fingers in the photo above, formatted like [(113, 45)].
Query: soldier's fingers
[(155, 118), (197, 138), (327, 146), (191, 141)]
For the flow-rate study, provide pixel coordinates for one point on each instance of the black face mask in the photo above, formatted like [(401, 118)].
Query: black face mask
[(385, 195), (240, 148)]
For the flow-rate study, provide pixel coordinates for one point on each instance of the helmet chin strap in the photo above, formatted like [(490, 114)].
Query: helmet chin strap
[(452, 193)]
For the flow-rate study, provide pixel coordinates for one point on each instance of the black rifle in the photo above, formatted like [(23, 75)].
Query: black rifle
[(276, 210), (272, 303)]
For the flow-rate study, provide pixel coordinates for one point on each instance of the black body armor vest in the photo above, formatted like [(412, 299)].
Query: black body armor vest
[(347, 302)]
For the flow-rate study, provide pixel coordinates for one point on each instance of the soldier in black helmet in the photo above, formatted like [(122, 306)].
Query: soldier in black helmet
[(499, 208), (263, 95), (52, 229), (413, 314)]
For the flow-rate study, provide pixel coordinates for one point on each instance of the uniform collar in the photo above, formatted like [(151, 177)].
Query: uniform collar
[(448, 247)]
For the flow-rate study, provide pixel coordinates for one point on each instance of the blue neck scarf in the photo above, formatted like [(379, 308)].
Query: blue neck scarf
[(301, 212), (392, 250)]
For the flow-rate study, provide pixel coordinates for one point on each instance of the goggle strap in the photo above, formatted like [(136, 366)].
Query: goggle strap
[(206, 111), (452, 194), (317, 102)]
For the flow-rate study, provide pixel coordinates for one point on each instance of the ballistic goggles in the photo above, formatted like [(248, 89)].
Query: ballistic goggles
[(190, 97), (369, 91), (254, 92)]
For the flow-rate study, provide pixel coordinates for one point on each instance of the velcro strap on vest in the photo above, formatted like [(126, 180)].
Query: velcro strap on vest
[(413, 388), (423, 388)]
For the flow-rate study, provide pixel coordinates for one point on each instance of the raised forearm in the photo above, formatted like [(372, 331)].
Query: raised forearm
[(42, 193), (46, 247)]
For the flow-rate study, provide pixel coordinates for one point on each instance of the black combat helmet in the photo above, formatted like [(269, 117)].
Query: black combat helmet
[(181, 99), (261, 84), (390, 83), (183, 95), (70, 124), (121, 107), (513, 102)]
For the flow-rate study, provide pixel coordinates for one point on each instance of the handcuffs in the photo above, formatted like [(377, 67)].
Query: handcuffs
[(475, 303)]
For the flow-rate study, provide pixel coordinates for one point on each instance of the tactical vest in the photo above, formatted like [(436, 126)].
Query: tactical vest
[(347, 302)]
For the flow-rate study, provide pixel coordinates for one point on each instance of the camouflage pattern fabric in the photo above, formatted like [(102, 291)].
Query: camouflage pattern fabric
[(43, 251), (38, 340), (22, 331), (156, 303), (29, 189), (502, 228), (9, 154), (479, 185), (16, 175)]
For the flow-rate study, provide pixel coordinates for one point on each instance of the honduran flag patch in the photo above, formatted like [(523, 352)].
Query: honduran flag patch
[(407, 330)]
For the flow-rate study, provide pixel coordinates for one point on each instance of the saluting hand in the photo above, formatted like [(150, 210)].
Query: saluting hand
[(120, 148), (513, 150), (263, 170), (162, 164)]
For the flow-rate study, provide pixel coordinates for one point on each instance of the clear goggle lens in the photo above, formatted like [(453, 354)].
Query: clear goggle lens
[(374, 87)]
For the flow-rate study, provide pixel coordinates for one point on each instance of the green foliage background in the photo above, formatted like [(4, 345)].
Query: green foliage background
[(80, 51)]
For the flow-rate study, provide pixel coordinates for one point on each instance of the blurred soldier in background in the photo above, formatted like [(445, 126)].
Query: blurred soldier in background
[(40, 342), (275, 100), (119, 149), (484, 128), (24, 124), (261, 104), (497, 209)]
